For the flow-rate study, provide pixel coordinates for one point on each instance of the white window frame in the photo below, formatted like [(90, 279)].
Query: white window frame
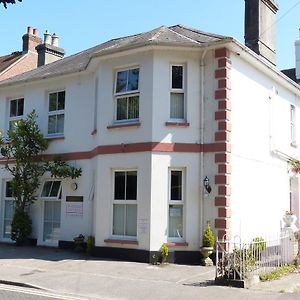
[(15, 118), (178, 203), (126, 94), (293, 124), (56, 113), (48, 198), (124, 202), (178, 91)]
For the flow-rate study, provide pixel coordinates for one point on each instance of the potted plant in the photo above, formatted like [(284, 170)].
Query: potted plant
[(207, 248), (289, 219), (294, 166), (79, 243), (164, 253)]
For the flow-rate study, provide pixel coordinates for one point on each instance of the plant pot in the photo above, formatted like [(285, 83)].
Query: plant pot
[(79, 243), (289, 220), (206, 252)]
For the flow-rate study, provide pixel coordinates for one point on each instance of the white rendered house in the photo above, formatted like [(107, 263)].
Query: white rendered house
[(148, 118)]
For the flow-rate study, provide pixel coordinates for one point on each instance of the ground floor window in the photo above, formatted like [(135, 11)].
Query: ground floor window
[(125, 203), (176, 204)]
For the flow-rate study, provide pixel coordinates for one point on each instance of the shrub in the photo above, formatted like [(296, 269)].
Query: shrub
[(277, 273), (208, 237), (90, 243), (164, 253), (21, 226)]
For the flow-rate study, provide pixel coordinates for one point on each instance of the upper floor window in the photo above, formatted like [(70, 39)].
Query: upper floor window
[(177, 102), (16, 112), (56, 114), (127, 95), (293, 124)]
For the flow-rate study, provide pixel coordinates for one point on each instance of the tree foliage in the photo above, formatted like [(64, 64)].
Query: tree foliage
[(23, 151), (23, 146), (5, 2), (60, 169)]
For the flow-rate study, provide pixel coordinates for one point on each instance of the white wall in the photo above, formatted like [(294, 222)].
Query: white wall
[(161, 165), (161, 97), (103, 209), (260, 125)]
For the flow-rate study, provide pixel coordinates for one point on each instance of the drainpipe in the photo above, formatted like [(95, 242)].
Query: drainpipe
[(201, 214)]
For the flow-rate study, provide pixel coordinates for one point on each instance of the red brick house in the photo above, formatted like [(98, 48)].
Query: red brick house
[(21, 61)]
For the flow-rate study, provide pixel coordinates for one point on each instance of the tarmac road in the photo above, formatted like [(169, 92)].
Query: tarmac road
[(60, 274)]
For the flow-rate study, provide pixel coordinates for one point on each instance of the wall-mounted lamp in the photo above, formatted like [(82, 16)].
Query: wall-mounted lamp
[(207, 185), (74, 186)]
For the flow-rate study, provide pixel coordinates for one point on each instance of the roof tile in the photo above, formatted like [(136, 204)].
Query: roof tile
[(177, 35)]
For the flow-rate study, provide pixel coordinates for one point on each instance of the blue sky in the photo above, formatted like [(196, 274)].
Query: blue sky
[(82, 26)]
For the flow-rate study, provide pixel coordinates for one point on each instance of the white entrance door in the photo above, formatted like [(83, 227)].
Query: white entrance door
[(51, 221), (51, 197)]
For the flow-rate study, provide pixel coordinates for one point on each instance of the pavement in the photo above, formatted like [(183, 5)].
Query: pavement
[(77, 276)]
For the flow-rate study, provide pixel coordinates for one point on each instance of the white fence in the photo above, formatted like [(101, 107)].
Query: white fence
[(239, 260)]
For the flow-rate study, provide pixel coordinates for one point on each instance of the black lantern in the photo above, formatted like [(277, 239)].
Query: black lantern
[(207, 185)]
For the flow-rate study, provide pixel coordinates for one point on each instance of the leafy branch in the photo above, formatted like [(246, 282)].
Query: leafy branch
[(5, 2)]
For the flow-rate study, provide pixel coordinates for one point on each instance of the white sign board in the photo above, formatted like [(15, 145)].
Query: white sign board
[(74, 209)]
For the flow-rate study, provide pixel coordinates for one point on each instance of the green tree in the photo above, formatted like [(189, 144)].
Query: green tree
[(23, 151), (5, 2)]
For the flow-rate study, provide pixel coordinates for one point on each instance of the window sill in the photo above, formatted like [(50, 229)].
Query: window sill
[(122, 242), (124, 125), (55, 138), (176, 244), (294, 145), (177, 124)]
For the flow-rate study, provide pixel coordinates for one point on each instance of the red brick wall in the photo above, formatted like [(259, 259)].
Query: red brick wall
[(223, 134), (26, 63)]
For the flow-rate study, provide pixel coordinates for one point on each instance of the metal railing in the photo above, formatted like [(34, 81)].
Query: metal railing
[(237, 260)]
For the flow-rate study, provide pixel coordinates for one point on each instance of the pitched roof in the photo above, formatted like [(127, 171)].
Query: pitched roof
[(7, 60), (177, 35)]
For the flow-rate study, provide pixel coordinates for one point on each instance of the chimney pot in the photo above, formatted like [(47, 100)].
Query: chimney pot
[(297, 56), (47, 37), (54, 40), (35, 32), (31, 40), (49, 51), (29, 30)]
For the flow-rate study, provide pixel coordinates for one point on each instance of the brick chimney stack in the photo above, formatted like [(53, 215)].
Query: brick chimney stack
[(260, 29), (31, 39)]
